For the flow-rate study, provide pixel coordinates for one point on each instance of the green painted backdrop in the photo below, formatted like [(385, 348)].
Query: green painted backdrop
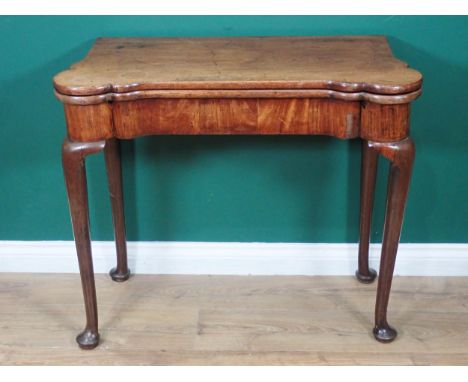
[(271, 189)]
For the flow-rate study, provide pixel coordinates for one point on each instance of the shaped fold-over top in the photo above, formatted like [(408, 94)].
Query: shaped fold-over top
[(346, 67)]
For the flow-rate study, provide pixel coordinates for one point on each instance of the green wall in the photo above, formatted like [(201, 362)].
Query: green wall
[(271, 189)]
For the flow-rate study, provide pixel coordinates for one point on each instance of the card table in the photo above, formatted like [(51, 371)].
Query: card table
[(342, 86)]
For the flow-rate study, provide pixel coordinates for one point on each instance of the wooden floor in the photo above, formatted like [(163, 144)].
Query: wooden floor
[(232, 320)]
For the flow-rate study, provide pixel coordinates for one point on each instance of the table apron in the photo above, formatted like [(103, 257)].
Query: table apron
[(237, 116)]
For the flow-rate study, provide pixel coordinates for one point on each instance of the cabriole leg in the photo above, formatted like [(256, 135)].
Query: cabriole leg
[(73, 160), (369, 162), (401, 156), (114, 176)]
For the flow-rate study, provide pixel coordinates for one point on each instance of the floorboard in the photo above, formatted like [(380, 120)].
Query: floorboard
[(232, 320)]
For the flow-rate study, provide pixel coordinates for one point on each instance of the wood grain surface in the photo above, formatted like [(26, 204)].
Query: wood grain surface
[(345, 87), (340, 63), (295, 116), (384, 123), (239, 93), (232, 320), (236, 116)]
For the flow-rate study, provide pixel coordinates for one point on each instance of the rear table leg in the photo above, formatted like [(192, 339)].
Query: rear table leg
[(114, 176), (368, 174)]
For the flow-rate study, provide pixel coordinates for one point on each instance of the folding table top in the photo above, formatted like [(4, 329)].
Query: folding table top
[(340, 63)]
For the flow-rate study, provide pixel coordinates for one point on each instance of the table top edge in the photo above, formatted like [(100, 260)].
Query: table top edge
[(375, 87)]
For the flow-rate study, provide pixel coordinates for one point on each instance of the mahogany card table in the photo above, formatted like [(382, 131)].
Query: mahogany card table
[(346, 87)]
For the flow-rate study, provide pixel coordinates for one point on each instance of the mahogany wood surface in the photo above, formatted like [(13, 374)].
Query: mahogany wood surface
[(385, 123), (295, 116), (114, 177), (90, 122), (236, 116), (346, 87), (127, 88), (240, 93), (401, 156), (369, 160), (73, 160), (341, 63)]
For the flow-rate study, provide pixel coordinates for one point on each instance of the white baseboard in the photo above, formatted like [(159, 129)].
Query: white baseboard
[(232, 258)]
